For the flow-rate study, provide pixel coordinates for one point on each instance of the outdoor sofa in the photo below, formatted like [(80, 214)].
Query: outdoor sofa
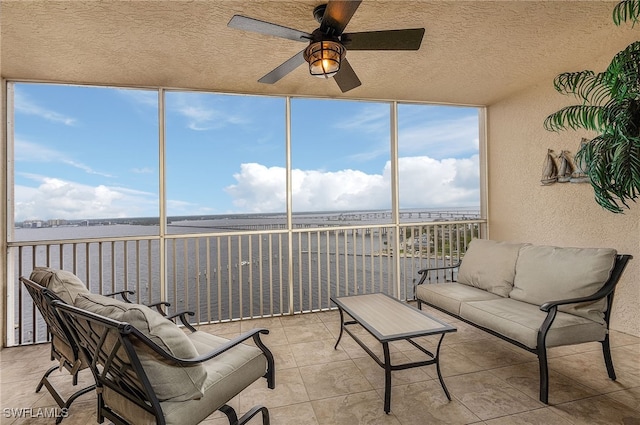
[(533, 296)]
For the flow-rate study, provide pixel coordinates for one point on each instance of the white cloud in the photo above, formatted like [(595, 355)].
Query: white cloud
[(34, 152), (441, 139), (202, 115), (143, 170), (56, 198), (141, 97), (424, 182), (26, 106)]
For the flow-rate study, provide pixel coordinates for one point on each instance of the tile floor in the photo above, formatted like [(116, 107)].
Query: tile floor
[(491, 382)]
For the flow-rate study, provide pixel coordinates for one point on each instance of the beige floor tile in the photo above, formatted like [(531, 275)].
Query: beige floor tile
[(599, 410), (283, 356), (494, 353), (353, 409), (589, 370), (293, 414), (317, 352), (290, 389), (426, 403), (630, 397), (489, 397), (333, 379), (307, 332), (543, 416), (526, 378)]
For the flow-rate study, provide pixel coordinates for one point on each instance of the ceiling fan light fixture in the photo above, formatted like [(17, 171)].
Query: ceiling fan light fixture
[(324, 58)]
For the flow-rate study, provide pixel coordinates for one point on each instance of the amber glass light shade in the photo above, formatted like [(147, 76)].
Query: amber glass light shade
[(324, 58)]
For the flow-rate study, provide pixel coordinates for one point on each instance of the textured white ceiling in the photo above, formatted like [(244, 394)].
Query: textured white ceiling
[(474, 52)]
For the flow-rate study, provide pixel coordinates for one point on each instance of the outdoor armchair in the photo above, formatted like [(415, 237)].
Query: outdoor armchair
[(149, 371), (63, 348)]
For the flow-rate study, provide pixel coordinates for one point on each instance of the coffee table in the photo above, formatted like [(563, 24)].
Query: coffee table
[(389, 319)]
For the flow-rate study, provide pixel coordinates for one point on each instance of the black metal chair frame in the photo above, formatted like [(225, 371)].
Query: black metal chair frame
[(57, 330), (116, 365), (551, 308), (43, 298)]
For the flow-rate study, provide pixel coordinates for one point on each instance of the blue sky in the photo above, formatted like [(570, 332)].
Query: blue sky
[(89, 152)]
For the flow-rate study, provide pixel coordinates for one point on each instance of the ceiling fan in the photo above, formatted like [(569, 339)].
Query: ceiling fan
[(328, 44)]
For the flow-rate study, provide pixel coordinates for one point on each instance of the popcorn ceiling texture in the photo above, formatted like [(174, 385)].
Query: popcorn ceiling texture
[(473, 52), (563, 214)]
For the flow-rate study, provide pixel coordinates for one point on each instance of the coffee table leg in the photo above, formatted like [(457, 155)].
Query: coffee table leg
[(387, 377), (444, 387), (341, 328)]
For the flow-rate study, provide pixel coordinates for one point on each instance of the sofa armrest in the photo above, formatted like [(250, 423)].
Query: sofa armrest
[(603, 292), (425, 272)]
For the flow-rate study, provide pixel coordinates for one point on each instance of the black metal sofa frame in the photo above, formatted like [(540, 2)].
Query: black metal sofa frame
[(551, 308)]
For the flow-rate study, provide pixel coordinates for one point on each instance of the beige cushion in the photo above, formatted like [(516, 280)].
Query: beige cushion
[(490, 265), (549, 273), (64, 284), (520, 321), (448, 296), (169, 381), (227, 375)]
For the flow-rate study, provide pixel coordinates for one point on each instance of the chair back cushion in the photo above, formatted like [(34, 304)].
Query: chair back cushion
[(490, 265), (549, 273), (66, 285), (168, 380)]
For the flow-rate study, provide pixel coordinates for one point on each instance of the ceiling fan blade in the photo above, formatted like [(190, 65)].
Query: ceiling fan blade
[(407, 39), (346, 77), (338, 14), (283, 69), (267, 28)]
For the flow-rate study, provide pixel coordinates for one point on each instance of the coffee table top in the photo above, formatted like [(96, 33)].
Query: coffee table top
[(389, 319)]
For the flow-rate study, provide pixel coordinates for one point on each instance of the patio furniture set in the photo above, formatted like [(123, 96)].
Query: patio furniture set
[(147, 370)]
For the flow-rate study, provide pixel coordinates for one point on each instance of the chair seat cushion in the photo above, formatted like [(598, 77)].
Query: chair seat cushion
[(227, 375), (169, 381), (448, 296), (520, 321)]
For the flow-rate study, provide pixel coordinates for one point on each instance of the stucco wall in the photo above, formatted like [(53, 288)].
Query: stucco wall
[(563, 214)]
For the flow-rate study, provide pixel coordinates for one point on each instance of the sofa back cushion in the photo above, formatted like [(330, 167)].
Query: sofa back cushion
[(490, 265), (169, 381), (66, 285), (549, 273)]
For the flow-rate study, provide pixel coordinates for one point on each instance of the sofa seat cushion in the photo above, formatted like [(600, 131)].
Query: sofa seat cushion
[(490, 265), (549, 273), (448, 296), (66, 285), (227, 375), (520, 321), (168, 380)]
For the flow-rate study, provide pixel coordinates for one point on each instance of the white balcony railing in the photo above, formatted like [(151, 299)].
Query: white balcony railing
[(242, 274)]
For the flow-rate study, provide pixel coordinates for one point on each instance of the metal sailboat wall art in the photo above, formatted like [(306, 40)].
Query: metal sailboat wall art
[(566, 169), (549, 169), (579, 175)]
